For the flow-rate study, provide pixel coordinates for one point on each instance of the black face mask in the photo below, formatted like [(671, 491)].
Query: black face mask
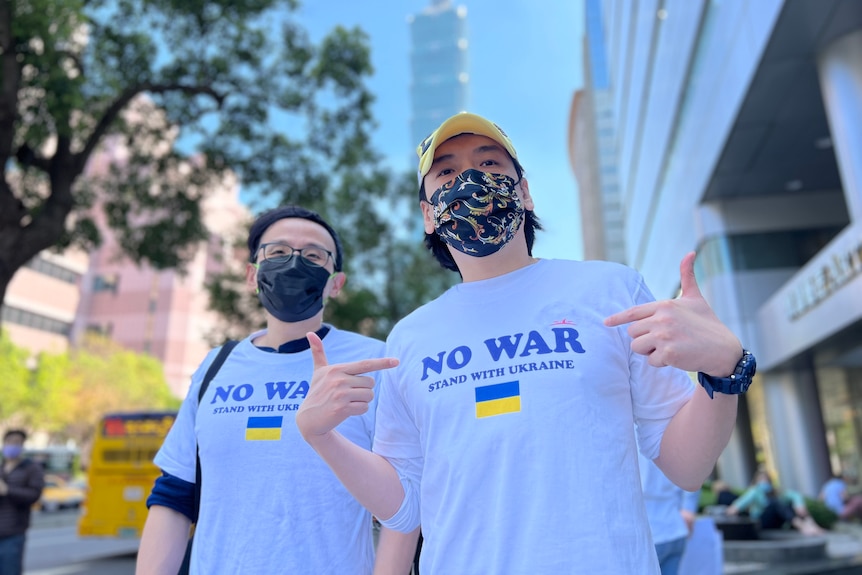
[(292, 290)]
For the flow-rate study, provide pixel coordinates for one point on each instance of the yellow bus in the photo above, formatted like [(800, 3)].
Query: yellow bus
[(122, 473)]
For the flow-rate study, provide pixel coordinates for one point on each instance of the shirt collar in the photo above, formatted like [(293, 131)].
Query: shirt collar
[(296, 345)]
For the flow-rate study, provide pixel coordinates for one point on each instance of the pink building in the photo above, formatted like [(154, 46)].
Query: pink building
[(42, 300), (57, 299), (163, 313)]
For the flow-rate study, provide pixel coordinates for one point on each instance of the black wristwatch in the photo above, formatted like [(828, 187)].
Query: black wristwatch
[(735, 383)]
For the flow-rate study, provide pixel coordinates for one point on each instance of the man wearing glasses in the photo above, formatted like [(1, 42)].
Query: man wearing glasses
[(268, 504)]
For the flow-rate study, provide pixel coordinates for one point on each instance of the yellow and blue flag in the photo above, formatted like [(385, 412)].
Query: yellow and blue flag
[(263, 428), (498, 399)]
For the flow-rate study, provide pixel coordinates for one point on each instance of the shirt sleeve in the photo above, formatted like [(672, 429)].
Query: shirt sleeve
[(174, 493), (691, 500), (658, 393), (744, 501), (397, 439), (27, 495), (178, 453), (406, 519)]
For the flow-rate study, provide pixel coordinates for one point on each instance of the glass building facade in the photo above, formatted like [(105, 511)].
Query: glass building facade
[(596, 167), (738, 134)]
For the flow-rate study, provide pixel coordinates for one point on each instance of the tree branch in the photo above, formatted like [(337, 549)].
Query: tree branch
[(11, 76), (27, 157), (74, 58), (123, 100), (11, 207)]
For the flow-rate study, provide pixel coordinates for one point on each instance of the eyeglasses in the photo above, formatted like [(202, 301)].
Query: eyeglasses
[(280, 252)]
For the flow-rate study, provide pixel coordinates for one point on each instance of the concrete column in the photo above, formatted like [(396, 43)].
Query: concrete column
[(796, 429), (851, 464), (738, 463), (840, 69)]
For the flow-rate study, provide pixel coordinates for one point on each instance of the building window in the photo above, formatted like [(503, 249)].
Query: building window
[(106, 283), (760, 251), (50, 269), (841, 403), (99, 329), (35, 320)]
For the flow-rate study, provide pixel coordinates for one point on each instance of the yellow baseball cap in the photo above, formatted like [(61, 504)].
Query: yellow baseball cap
[(463, 123)]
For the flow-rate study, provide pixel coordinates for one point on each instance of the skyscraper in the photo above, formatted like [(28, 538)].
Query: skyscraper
[(438, 60), (594, 152)]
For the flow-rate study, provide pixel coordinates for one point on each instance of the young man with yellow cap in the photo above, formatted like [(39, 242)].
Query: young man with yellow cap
[(512, 406)]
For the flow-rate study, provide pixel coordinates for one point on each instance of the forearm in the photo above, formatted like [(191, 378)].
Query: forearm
[(742, 503), (24, 495), (695, 437), (395, 552), (370, 478), (163, 543)]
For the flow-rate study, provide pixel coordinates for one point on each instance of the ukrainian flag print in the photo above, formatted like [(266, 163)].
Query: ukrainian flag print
[(498, 399), (263, 428)]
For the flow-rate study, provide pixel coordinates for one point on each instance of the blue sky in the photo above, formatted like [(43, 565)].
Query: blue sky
[(525, 62)]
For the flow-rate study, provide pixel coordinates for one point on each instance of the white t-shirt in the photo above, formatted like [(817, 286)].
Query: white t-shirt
[(664, 501), (511, 417), (833, 494), (269, 503)]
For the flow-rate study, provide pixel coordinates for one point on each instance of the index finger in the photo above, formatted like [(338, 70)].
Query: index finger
[(368, 365), (354, 368), (635, 313)]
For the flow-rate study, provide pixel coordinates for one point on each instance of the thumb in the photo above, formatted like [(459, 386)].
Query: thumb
[(318, 355), (687, 281)]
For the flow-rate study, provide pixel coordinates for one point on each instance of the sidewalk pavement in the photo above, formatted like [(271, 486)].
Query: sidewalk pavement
[(843, 548)]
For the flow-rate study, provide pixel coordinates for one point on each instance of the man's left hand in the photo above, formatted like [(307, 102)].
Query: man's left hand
[(682, 332), (689, 519)]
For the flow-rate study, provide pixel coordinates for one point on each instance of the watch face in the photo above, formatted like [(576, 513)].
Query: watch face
[(746, 367), (736, 383)]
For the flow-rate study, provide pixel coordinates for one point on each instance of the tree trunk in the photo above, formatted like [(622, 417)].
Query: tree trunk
[(20, 243), (5, 278)]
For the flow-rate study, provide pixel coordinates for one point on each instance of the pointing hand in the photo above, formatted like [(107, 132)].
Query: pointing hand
[(682, 332), (336, 391)]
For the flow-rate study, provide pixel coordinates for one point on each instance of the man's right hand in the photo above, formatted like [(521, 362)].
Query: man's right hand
[(336, 391)]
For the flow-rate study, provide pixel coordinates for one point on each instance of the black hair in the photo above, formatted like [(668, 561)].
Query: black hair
[(440, 250), (12, 432), (266, 219)]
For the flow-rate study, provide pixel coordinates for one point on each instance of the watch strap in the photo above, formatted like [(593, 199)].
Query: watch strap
[(734, 384)]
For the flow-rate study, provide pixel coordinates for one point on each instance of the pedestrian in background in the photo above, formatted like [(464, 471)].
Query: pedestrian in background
[(21, 484), (774, 508), (835, 495), (671, 511)]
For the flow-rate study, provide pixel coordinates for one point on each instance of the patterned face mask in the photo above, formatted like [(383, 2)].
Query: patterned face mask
[(478, 212)]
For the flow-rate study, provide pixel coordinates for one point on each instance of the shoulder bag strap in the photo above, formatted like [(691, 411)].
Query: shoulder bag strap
[(210, 374)]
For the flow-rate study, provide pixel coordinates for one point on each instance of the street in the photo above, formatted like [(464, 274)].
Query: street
[(54, 548)]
